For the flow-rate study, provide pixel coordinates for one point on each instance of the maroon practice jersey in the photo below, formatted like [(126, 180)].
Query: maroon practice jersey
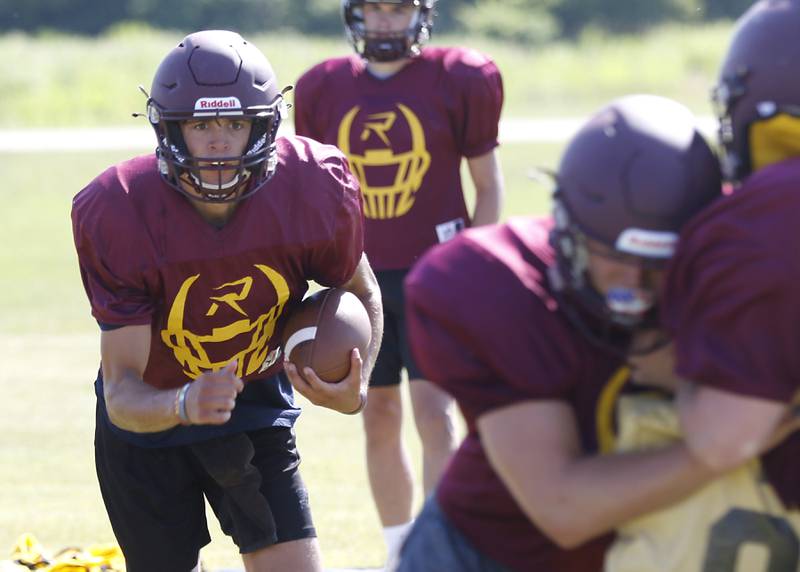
[(733, 305), (483, 325), (211, 294), (405, 137)]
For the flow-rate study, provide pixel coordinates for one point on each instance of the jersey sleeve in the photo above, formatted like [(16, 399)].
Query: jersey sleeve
[(479, 333), (334, 261), (480, 86), (111, 257), (732, 316)]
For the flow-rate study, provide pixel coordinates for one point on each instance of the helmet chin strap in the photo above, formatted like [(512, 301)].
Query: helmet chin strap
[(216, 192)]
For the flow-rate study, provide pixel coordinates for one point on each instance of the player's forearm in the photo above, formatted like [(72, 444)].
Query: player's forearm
[(365, 286), (594, 495), (135, 406), (723, 429), (489, 190), (374, 305), (488, 205)]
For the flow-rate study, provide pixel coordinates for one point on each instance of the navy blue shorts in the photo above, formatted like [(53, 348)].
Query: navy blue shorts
[(154, 496), (395, 353)]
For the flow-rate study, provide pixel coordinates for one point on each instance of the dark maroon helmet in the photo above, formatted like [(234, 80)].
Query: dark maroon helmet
[(216, 73), (629, 179), (383, 46), (759, 83)]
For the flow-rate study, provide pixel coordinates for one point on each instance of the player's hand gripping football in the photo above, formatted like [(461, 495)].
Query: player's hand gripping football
[(343, 396), (211, 398)]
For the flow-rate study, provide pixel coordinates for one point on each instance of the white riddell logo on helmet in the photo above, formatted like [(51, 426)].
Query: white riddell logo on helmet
[(650, 243), (217, 106)]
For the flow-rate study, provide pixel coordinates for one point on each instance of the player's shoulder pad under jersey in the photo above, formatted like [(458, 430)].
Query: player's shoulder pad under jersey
[(110, 198), (315, 166), (466, 62), (319, 75)]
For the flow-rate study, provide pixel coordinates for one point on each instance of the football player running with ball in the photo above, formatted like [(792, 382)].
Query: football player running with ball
[(528, 325), (192, 258), (406, 116)]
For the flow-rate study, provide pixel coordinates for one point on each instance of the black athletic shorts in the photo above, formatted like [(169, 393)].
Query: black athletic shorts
[(154, 497), (395, 353)]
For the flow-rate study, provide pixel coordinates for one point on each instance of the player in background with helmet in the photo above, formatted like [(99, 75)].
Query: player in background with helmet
[(192, 258), (528, 324), (406, 116), (732, 301)]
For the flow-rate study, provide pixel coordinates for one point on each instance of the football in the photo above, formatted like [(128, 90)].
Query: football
[(323, 329)]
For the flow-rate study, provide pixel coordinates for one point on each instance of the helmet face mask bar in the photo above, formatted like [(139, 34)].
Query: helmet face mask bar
[(252, 169), (388, 46), (608, 321), (216, 75)]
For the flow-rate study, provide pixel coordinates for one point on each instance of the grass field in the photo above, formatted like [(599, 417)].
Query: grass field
[(49, 356)]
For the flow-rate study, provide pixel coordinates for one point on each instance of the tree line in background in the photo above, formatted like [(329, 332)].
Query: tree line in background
[(527, 21)]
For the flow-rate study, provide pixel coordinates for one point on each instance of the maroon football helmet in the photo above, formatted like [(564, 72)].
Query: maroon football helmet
[(759, 80), (629, 179), (383, 46), (211, 74)]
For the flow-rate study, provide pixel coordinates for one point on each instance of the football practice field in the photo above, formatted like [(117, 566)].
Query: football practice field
[(49, 342), (49, 358)]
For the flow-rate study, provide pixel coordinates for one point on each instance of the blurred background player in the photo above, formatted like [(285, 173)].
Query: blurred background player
[(191, 258), (406, 115), (527, 324), (731, 297)]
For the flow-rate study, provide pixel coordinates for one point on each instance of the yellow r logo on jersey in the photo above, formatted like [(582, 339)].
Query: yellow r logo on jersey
[(380, 127), (246, 339), (389, 179)]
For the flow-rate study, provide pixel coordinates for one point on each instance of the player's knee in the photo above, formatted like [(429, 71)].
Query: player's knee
[(435, 424), (383, 417)]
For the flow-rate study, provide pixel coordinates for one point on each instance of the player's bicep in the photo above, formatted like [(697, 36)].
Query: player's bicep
[(724, 429), (485, 169), (363, 282), (529, 446)]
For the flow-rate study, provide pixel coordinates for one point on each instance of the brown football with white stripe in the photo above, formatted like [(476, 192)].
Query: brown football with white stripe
[(323, 330)]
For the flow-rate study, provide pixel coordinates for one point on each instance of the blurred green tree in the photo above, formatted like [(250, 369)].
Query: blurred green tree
[(527, 21)]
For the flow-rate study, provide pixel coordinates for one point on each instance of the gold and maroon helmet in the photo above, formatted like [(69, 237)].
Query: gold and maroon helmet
[(216, 73), (378, 46), (757, 97), (633, 175)]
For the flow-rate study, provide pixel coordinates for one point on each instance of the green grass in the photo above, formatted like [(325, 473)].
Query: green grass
[(67, 80), (49, 352)]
